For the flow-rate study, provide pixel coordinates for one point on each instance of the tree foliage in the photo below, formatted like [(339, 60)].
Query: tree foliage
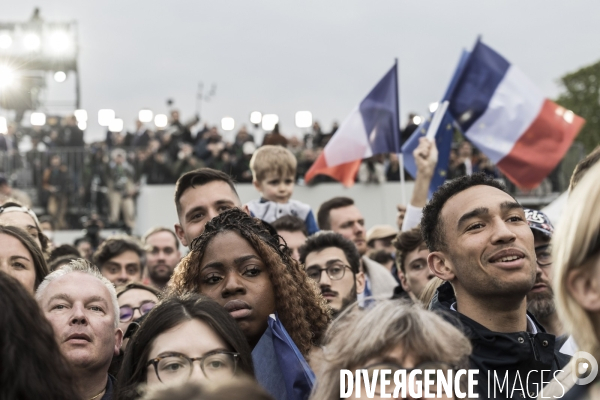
[(582, 95)]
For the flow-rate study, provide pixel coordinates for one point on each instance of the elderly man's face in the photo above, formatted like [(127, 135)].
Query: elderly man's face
[(82, 315)]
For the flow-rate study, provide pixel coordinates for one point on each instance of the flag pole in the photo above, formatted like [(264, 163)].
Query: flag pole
[(399, 148)]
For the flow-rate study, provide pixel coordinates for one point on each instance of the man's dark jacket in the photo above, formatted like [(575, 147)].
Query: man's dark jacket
[(513, 355)]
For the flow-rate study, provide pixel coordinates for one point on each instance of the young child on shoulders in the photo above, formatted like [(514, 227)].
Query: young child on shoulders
[(274, 175)]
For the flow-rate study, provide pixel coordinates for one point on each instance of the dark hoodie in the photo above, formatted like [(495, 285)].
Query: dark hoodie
[(510, 356)]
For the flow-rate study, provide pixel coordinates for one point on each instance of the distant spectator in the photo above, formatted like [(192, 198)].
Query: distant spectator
[(120, 259), (140, 137), (464, 162), (70, 134), (186, 161), (241, 171), (63, 250), (162, 257), (275, 138), (7, 193), (48, 227), (84, 246), (122, 190), (293, 231), (56, 184)]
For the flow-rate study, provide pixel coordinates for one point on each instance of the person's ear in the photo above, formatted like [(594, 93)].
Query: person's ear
[(118, 341), (181, 234), (584, 288), (440, 266), (360, 282), (256, 185)]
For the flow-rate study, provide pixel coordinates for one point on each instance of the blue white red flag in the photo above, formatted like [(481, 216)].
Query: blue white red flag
[(370, 129), (509, 119)]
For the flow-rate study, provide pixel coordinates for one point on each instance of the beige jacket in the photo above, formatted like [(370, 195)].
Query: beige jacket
[(382, 281)]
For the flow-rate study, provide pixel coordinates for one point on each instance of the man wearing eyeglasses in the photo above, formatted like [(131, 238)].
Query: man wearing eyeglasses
[(540, 300), (333, 261)]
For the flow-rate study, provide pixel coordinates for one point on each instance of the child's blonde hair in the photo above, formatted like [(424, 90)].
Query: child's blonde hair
[(272, 159)]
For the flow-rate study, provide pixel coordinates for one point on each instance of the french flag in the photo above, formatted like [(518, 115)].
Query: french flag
[(370, 129), (504, 115)]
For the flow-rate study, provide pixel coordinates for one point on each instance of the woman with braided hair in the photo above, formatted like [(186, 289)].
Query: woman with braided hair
[(239, 262)]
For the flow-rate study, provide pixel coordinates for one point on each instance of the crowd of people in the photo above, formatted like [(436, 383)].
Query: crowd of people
[(271, 300), (67, 178)]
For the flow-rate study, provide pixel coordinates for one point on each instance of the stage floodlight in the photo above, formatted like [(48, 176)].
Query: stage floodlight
[(3, 126), (60, 76), (32, 41), (38, 119), (227, 123), (116, 125), (433, 106), (417, 120), (255, 117), (303, 119), (145, 115), (7, 76), (161, 120), (5, 41), (60, 41), (105, 116), (269, 121), (81, 115), (82, 125)]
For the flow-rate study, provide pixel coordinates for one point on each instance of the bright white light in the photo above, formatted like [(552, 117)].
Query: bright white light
[(105, 116), (269, 121), (145, 116), (3, 125), (81, 115), (569, 116), (417, 120), (5, 41), (433, 106), (227, 123), (32, 41), (116, 125), (7, 76), (38, 119), (161, 120), (255, 117), (60, 76), (60, 41), (303, 119), (82, 125)]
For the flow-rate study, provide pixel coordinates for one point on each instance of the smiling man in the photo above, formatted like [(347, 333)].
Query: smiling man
[(82, 308), (481, 245), (333, 262), (200, 195)]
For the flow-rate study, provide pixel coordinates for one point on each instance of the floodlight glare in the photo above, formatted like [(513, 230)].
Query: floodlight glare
[(255, 117), (105, 116), (161, 120), (269, 121), (416, 120), (303, 119), (60, 76), (82, 125), (145, 116), (38, 119), (116, 125), (227, 123), (81, 115), (32, 41), (3, 126), (433, 106), (7, 76), (5, 41), (60, 41)]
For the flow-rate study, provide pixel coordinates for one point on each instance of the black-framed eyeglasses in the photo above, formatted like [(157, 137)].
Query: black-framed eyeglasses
[(334, 271), (176, 367), (126, 312), (543, 255)]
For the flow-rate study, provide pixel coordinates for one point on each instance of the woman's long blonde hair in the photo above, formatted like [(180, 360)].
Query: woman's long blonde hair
[(576, 244)]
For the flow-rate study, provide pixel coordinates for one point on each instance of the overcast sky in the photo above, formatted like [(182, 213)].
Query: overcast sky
[(317, 55)]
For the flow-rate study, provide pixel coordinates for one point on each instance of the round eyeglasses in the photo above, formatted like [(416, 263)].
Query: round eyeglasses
[(126, 312), (176, 367), (335, 272)]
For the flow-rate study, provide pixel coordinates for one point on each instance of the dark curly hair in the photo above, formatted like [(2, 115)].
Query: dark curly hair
[(324, 239), (299, 304), (432, 228), (117, 245), (32, 364)]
